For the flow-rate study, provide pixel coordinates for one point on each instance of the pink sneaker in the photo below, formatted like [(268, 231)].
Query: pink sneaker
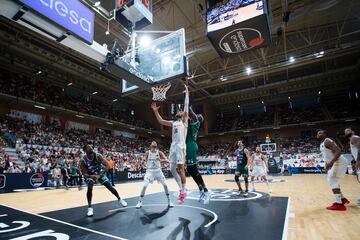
[(183, 195)]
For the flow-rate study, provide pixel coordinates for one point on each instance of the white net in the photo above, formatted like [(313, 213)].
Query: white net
[(159, 92)]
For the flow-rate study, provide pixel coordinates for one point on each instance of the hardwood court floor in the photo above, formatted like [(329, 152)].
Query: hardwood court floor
[(309, 195)]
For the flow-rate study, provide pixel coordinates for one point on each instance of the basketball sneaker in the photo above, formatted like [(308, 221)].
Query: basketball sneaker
[(122, 203), (202, 196), (207, 197), (170, 204), (90, 212), (337, 207), (240, 192), (246, 194), (139, 205), (182, 196), (345, 201)]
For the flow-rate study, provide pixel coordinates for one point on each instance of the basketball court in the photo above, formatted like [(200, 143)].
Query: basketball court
[(295, 209)]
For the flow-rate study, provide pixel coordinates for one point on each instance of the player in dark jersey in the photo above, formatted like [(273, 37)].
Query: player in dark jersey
[(93, 167), (242, 156), (191, 154)]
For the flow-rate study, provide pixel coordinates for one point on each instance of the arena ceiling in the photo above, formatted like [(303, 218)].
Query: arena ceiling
[(332, 26)]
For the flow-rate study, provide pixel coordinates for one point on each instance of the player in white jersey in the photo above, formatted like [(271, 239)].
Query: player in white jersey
[(336, 166), (355, 150), (258, 168), (178, 145), (153, 159)]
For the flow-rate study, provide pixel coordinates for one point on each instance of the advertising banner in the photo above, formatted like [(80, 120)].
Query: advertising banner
[(72, 15)]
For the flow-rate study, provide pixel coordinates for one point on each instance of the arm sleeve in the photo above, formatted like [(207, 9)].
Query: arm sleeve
[(186, 103)]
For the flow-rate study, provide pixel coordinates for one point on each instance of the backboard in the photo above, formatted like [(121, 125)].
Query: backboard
[(158, 61), (268, 148)]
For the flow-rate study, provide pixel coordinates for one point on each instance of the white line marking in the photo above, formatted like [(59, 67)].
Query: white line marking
[(66, 223), (4, 215), (286, 222), (257, 195), (204, 209)]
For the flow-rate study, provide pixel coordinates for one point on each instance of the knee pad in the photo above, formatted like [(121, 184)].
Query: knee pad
[(334, 183), (246, 180), (236, 178)]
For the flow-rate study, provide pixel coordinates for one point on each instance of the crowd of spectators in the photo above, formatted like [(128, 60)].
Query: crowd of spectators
[(40, 146), (43, 92), (255, 121), (347, 110), (301, 115)]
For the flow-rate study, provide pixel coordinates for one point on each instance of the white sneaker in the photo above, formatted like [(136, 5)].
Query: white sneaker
[(207, 197), (122, 203), (170, 204), (253, 190), (270, 190), (201, 196), (90, 212), (139, 205)]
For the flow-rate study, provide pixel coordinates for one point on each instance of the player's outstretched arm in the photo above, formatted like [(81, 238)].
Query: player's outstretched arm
[(186, 105), (155, 109)]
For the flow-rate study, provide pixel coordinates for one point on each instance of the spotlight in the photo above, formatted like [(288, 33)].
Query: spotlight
[(38, 72), (94, 93), (115, 100), (107, 33), (145, 41), (319, 92), (262, 102), (291, 59), (69, 84), (248, 70), (97, 3)]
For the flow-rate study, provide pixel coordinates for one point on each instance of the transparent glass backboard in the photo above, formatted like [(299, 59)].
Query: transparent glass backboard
[(161, 60)]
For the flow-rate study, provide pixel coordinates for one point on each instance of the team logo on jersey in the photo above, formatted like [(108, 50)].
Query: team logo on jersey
[(37, 180), (2, 181), (225, 195)]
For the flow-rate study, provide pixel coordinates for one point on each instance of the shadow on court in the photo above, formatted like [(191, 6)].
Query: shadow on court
[(226, 217)]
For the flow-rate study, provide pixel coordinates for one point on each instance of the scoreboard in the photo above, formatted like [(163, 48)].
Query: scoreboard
[(238, 26)]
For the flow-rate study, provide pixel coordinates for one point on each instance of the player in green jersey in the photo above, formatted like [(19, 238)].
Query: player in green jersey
[(191, 154)]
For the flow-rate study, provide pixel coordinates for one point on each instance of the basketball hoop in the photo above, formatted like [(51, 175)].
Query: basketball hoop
[(159, 92)]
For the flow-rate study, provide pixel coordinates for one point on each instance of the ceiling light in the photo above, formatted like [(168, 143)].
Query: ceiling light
[(38, 72), (145, 41), (110, 123), (107, 33), (69, 84), (291, 59), (262, 102), (248, 70), (115, 100), (157, 51), (132, 128), (97, 3), (319, 92), (79, 116), (40, 107), (94, 93)]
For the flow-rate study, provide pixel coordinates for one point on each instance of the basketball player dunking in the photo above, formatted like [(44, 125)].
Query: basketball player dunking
[(242, 156), (153, 159), (355, 150), (191, 154), (178, 145), (93, 167), (259, 168), (336, 166)]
